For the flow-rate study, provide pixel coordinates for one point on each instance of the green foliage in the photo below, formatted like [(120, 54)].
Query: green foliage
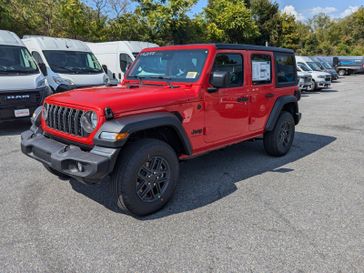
[(267, 17), (230, 21), (171, 22)]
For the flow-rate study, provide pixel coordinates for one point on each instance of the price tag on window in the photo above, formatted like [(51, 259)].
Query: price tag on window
[(261, 71)]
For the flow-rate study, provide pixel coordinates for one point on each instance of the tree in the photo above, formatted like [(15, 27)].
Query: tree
[(5, 17), (289, 35), (229, 21), (266, 15)]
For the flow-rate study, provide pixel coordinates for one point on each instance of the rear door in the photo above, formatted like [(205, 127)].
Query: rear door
[(262, 92), (227, 111)]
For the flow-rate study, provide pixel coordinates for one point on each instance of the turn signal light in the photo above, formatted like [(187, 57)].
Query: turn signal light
[(113, 136)]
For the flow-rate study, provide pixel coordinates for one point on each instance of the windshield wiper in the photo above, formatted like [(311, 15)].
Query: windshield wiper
[(17, 71), (65, 68), (166, 79), (88, 69)]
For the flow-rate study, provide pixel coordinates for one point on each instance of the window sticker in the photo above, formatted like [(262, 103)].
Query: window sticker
[(191, 75), (148, 53), (261, 71)]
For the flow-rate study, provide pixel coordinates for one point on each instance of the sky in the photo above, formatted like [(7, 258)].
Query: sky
[(305, 9)]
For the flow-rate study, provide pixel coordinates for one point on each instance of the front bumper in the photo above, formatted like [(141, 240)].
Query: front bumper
[(305, 86), (85, 166), (323, 84)]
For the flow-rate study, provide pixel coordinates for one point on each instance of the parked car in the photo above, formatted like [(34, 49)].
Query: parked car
[(320, 79), (68, 63), (175, 102), (326, 67), (346, 65), (304, 80), (117, 56), (22, 85)]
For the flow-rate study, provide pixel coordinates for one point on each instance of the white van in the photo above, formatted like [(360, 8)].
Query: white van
[(69, 64), (320, 79), (117, 56), (22, 85)]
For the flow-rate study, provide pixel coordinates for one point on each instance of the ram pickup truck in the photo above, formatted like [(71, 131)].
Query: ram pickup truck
[(175, 103)]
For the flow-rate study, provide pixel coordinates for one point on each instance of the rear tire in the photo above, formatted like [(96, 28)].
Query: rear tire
[(145, 177), (279, 141)]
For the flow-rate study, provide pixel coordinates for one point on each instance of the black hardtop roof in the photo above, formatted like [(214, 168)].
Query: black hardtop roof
[(253, 47)]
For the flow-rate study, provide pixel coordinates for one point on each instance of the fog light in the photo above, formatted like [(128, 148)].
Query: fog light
[(79, 167)]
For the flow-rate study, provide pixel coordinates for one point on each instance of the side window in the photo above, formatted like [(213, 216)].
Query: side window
[(286, 69), (37, 57), (125, 61), (232, 63), (261, 69)]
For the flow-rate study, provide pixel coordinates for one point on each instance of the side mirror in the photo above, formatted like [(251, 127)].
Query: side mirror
[(43, 69), (219, 79), (104, 67)]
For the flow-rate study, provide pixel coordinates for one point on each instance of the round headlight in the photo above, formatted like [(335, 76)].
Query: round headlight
[(89, 121), (94, 119), (45, 111)]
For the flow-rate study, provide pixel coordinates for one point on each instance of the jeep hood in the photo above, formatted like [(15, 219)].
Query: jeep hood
[(122, 99)]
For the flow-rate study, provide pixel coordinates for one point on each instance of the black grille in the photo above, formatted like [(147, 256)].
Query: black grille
[(307, 79), (65, 119), (328, 79), (20, 99)]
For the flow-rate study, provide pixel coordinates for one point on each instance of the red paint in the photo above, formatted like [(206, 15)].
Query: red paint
[(223, 120)]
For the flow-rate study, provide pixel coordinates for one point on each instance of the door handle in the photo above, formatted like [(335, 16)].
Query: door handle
[(269, 95), (242, 99)]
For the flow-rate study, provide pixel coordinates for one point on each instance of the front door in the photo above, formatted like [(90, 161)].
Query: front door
[(227, 111)]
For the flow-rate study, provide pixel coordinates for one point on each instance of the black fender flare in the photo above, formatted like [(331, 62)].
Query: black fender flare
[(277, 109), (140, 122)]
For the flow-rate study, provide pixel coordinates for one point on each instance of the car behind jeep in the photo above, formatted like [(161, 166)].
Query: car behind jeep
[(175, 102)]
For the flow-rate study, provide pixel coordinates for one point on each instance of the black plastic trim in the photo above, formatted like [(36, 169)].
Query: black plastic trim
[(96, 164), (132, 124), (277, 108)]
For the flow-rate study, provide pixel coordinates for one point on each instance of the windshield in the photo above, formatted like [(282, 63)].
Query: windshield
[(320, 65), (174, 65), (314, 66), (72, 62), (16, 60), (303, 67), (327, 65)]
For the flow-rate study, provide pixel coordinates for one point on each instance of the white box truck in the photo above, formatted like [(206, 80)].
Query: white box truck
[(117, 56), (22, 85), (69, 63)]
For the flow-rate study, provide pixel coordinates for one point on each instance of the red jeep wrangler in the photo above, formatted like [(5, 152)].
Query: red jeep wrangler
[(176, 102)]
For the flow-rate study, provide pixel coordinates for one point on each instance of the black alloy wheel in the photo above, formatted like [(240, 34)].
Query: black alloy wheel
[(153, 179), (145, 176)]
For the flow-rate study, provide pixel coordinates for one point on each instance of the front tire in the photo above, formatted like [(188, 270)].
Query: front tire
[(279, 141), (145, 177)]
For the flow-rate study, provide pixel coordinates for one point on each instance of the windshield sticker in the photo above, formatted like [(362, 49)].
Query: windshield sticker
[(147, 53), (191, 75)]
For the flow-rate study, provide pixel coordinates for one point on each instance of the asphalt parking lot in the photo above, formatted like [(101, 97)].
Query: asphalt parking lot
[(235, 210)]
